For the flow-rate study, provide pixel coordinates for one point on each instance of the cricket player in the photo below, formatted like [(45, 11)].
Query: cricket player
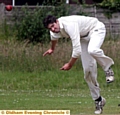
[(87, 34)]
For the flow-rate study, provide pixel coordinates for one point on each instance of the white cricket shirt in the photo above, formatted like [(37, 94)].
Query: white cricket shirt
[(74, 27)]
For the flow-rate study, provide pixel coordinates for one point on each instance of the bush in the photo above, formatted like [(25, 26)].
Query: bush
[(113, 5), (30, 26)]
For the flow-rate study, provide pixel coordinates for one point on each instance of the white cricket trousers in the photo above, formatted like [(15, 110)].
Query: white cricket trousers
[(91, 53)]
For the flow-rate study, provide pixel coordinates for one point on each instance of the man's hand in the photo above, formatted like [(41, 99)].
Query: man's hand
[(48, 52), (67, 66)]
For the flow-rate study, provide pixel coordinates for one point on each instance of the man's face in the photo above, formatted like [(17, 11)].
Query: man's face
[(54, 27)]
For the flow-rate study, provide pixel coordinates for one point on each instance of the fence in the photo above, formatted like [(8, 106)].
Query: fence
[(112, 24)]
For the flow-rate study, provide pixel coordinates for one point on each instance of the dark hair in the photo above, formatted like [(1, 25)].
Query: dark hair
[(49, 20)]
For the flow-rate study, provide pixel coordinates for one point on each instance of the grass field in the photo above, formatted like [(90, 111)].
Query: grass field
[(54, 91), (75, 100), (30, 82)]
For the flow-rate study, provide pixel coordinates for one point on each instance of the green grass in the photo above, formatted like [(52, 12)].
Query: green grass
[(76, 100), (55, 90), (42, 80)]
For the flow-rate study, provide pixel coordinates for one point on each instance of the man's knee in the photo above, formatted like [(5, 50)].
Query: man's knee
[(93, 51), (86, 73)]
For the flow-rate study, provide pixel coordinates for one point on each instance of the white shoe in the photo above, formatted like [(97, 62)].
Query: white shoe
[(109, 75), (99, 106)]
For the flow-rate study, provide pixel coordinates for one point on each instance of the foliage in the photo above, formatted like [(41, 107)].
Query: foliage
[(113, 5), (53, 2), (30, 26), (110, 7)]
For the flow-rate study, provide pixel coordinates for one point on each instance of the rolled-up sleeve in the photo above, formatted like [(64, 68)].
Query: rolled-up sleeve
[(74, 33)]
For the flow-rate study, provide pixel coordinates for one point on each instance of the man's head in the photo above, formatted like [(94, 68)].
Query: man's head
[(51, 23)]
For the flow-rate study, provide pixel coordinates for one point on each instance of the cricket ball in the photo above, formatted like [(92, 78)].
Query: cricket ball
[(8, 7)]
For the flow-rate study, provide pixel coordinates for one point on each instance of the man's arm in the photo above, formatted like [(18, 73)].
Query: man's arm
[(51, 50), (69, 65), (73, 31), (53, 44)]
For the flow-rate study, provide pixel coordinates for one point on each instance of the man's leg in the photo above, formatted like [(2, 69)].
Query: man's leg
[(90, 70), (96, 40), (90, 75)]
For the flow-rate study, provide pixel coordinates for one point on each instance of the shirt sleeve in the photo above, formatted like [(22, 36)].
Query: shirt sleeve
[(55, 36), (73, 30)]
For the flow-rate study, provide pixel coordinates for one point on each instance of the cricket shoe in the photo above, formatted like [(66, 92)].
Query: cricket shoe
[(109, 75), (99, 106)]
